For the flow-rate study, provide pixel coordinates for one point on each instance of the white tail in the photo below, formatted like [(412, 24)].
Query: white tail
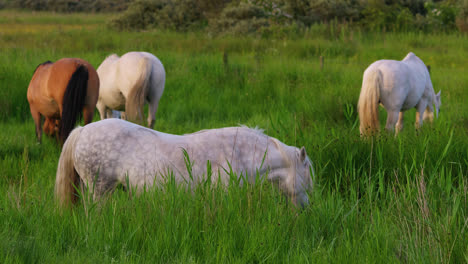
[(368, 104), (136, 97), (67, 178)]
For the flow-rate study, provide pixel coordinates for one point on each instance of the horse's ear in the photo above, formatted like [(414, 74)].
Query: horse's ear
[(438, 94), (303, 154)]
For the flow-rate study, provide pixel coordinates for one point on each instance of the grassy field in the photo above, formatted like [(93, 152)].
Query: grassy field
[(400, 199)]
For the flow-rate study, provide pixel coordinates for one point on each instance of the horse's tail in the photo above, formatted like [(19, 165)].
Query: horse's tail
[(368, 104), (136, 97), (67, 178), (73, 101)]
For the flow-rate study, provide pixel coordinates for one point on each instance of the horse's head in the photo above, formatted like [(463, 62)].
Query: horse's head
[(295, 180), (51, 126), (429, 112), (304, 171)]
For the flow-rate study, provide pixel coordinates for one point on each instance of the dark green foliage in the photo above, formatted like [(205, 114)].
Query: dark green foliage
[(309, 12), (262, 16), (240, 20), (139, 15), (68, 5), (265, 17), (462, 17), (178, 15)]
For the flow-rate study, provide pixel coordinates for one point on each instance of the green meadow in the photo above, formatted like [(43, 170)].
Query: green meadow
[(386, 200)]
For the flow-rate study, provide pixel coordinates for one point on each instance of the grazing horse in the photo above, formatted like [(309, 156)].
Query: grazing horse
[(62, 92), (127, 82), (113, 151), (398, 86)]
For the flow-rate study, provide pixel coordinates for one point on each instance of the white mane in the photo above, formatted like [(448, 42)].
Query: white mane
[(255, 129)]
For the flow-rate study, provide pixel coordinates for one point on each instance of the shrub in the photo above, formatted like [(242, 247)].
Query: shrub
[(244, 18), (461, 20), (178, 15), (441, 16), (68, 5), (139, 15)]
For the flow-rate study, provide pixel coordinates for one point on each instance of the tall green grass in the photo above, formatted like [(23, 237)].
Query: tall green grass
[(392, 199)]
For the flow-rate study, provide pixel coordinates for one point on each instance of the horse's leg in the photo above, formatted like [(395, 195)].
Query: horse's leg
[(51, 128), (154, 95), (392, 118), (428, 115), (421, 107), (152, 109), (37, 121), (102, 110), (101, 186), (57, 129), (109, 113), (399, 125)]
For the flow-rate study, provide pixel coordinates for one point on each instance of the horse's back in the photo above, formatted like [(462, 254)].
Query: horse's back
[(130, 59), (401, 83), (61, 73), (113, 148), (38, 84), (135, 56), (116, 148)]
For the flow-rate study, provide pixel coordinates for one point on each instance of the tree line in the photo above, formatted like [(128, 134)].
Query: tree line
[(266, 16)]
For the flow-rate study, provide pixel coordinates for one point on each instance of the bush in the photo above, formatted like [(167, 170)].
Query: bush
[(441, 16), (241, 19), (264, 16), (139, 15), (179, 15), (461, 20), (68, 5)]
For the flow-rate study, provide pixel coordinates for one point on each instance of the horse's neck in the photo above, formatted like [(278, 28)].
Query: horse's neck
[(429, 89), (264, 152), (280, 157)]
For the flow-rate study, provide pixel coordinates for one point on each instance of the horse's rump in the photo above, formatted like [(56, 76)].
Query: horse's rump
[(74, 100), (61, 92), (136, 96), (130, 81), (368, 104)]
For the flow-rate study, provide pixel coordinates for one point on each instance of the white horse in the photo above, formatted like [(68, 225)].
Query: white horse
[(112, 151), (398, 86), (126, 82)]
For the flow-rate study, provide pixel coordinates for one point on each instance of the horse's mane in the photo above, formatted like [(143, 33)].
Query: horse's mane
[(255, 129), (44, 63)]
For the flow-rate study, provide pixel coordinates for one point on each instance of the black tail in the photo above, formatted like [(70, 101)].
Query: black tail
[(73, 101)]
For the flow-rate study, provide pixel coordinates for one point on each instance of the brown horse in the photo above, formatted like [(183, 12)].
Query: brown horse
[(62, 92)]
